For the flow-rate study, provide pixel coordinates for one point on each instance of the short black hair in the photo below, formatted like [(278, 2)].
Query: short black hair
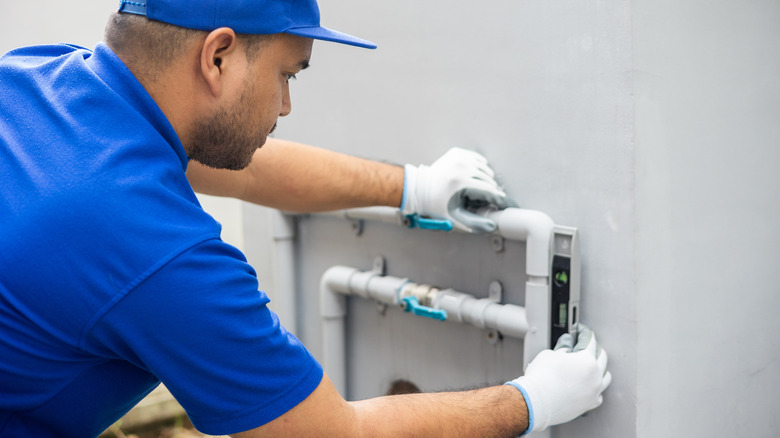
[(155, 43)]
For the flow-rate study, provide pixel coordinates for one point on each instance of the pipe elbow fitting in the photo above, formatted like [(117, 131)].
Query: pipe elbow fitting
[(532, 226), (333, 285)]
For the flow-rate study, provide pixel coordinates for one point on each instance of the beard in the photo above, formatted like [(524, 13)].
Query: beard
[(224, 140)]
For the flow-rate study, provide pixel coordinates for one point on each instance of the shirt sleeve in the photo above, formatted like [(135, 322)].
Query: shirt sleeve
[(202, 327)]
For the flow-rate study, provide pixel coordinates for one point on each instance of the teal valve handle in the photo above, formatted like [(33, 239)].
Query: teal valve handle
[(410, 304), (415, 220)]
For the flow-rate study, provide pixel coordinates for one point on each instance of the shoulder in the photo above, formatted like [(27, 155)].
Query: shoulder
[(36, 55)]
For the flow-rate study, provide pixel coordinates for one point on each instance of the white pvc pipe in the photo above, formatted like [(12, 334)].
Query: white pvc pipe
[(335, 284), (537, 305), (530, 226), (509, 319), (533, 227), (284, 240), (340, 281), (333, 309)]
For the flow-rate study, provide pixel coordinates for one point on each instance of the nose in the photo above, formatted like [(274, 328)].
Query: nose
[(286, 103)]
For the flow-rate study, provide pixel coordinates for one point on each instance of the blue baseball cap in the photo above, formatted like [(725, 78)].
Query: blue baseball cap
[(258, 17)]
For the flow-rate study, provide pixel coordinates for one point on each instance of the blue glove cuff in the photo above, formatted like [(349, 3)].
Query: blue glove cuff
[(527, 404), (406, 188)]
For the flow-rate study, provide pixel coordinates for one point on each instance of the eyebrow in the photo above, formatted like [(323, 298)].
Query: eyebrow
[(304, 64)]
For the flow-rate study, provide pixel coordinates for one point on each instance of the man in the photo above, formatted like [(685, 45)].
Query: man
[(112, 278)]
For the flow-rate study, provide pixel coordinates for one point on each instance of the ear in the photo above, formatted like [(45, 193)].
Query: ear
[(217, 58)]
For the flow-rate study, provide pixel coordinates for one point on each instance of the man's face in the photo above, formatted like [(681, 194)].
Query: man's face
[(228, 138)]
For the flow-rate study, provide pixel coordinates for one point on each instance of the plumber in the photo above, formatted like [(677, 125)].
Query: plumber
[(113, 278)]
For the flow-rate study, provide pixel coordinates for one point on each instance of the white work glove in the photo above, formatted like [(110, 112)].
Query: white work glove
[(452, 188), (560, 385)]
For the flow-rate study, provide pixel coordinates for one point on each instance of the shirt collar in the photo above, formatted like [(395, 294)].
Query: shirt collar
[(107, 65)]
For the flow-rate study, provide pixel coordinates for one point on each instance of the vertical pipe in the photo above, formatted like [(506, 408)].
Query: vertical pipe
[(333, 309), (537, 310), (334, 352), (284, 238)]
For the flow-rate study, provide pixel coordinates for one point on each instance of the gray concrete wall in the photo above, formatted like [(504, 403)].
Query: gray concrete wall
[(707, 189), (51, 21)]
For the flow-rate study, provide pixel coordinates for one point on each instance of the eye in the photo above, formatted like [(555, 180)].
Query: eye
[(288, 77)]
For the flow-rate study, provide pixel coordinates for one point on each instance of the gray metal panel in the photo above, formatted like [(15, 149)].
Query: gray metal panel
[(386, 346)]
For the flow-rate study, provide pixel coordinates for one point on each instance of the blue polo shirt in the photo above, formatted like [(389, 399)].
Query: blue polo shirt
[(112, 277)]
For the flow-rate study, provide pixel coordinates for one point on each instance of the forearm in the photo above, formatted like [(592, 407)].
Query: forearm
[(299, 178), (498, 411)]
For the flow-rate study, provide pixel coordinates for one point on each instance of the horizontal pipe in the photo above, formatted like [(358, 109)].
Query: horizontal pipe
[(483, 313), (339, 281), (530, 226)]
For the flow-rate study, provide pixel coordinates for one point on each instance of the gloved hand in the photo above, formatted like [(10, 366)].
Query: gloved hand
[(459, 181), (560, 385)]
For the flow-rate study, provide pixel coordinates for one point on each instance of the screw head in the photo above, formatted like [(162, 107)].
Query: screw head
[(357, 227), (497, 242), (495, 291), (493, 336), (379, 265)]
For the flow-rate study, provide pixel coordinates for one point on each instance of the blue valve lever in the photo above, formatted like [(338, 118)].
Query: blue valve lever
[(410, 304), (415, 220)]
